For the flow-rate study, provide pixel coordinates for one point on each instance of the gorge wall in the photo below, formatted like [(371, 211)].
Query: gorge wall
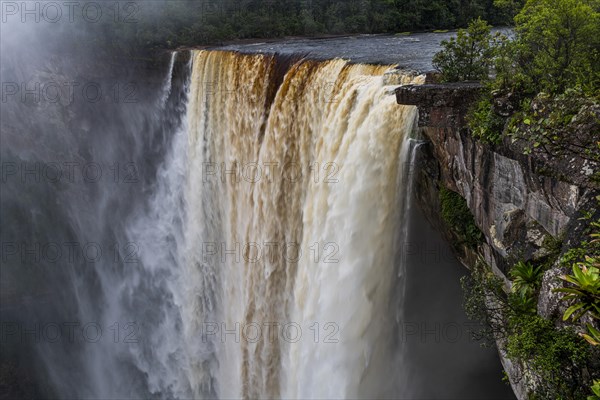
[(519, 202)]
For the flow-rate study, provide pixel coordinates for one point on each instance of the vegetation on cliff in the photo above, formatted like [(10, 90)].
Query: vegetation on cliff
[(542, 98), (458, 217), (557, 360), (543, 84), (558, 356), (581, 291), (468, 56)]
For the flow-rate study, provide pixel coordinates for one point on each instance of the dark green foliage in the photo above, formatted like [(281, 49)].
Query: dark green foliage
[(557, 66), (587, 248), (509, 76), (556, 47), (553, 245), (547, 77), (468, 56), (563, 125), (563, 361), (552, 248), (582, 290), (559, 44), (583, 293), (557, 355), (457, 215), (484, 122), (509, 8), (574, 254), (522, 303), (526, 277), (174, 23)]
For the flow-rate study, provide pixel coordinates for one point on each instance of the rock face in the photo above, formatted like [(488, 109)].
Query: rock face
[(440, 105), (515, 206)]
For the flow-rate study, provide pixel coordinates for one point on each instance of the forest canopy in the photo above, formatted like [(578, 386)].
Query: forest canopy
[(176, 23)]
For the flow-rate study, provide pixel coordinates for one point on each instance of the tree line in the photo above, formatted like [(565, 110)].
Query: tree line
[(176, 23)]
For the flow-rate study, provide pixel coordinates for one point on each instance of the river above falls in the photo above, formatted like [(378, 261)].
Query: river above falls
[(409, 50), (413, 51)]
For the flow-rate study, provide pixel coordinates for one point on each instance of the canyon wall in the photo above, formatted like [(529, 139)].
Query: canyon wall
[(519, 202)]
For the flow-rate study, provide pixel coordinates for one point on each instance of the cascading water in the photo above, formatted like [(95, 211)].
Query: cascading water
[(257, 254), (273, 229)]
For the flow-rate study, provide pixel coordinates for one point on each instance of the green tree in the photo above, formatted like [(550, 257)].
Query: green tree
[(510, 8), (559, 43), (468, 56)]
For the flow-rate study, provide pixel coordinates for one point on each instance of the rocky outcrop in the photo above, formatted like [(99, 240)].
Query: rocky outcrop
[(516, 206), (440, 105)]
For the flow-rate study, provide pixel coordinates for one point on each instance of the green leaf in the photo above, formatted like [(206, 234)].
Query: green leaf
[(569, 290), (571, 310), (593, 331)]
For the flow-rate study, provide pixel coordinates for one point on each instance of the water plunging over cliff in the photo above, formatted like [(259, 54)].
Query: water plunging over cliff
[(289, 183), (262, 253)]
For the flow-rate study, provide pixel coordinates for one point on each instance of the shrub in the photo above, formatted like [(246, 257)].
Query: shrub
[(522, 303), (557, 355), (525, 277), (509, 7), (553, 64), (574, 254), (562, 360), (584, 284), (558, 44), (484, 123), (563, 125), (468, 56)]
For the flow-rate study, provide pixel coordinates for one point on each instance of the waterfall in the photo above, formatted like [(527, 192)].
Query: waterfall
[(275, 230), (167, 86), (256, 256)]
